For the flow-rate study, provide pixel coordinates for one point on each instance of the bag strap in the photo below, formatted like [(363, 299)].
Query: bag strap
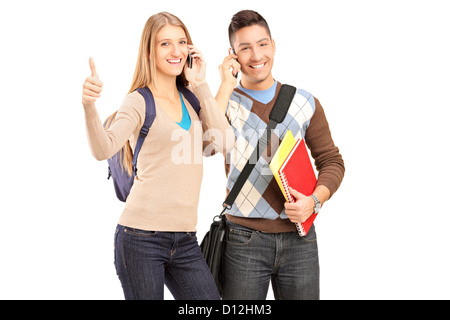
[(190, 96), (277, 115), (150, 115)]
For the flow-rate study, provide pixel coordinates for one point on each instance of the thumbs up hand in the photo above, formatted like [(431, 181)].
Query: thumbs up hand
[(93, 68), (92, 86), (302, 209)]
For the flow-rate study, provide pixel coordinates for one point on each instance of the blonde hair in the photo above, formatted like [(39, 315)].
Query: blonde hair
[(144, 73)]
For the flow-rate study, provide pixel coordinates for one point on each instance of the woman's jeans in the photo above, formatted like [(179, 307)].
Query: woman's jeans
[(253, 258), (146, 260)]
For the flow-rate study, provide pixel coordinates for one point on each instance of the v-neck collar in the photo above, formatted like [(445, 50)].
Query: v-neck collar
[(160, 108)]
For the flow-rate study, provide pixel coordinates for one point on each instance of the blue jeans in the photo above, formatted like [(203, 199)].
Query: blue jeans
[(253, 258), (146, 260)]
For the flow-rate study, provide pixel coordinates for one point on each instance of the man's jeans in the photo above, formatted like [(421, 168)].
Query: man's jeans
[(253, 258), (146, 260)]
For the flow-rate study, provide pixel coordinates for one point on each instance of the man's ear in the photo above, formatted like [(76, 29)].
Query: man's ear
[(274, 47)]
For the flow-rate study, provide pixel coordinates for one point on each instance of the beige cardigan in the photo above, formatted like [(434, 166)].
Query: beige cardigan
[(166, 191)]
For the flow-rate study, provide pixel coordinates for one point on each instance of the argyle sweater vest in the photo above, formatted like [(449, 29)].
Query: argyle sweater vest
[(261, 196)]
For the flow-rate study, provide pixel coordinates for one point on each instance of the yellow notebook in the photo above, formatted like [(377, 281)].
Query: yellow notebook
[(292, 167), (280, 156)]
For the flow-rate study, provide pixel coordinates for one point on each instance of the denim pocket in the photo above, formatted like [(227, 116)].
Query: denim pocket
[(192, 235), (239, 237), (311, 236), (140, 233)]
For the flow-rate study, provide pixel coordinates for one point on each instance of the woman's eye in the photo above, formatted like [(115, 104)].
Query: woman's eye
[(165, 44)]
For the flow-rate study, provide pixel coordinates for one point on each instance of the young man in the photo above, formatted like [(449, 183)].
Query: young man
[(262, 241)]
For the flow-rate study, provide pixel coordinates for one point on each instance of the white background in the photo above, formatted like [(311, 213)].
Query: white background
[(380, 69)]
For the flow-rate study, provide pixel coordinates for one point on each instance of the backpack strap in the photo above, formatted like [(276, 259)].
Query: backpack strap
[(190, 96), (277, 115), (150, 115)]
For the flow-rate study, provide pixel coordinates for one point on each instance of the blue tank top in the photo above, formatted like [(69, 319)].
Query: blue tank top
[(186, 120)]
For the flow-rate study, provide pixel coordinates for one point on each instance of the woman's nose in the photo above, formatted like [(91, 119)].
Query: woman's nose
[(176, 52)]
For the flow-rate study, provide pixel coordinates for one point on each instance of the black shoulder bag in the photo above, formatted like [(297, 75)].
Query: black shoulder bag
[(212, 244)]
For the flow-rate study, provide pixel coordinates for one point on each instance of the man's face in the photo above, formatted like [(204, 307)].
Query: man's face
[(255, 50)]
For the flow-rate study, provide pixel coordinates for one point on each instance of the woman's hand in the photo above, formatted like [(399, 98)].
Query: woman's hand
[(197, 74), (92, 86)]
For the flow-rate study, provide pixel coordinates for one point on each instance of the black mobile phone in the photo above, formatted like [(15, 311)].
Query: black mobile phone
[(234, 52), (189, 60)]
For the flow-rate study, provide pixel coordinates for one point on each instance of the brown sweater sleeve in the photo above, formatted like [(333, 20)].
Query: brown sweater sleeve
[(328, 160)]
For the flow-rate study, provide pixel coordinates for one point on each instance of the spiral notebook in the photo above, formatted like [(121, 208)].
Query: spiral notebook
[(292, 167)]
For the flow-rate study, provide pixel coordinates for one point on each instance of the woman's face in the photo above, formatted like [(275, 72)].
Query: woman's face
[(171, 50)]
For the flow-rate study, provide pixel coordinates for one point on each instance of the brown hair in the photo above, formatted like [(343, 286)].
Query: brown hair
[(246, 18), (146, 65), (144, 74)]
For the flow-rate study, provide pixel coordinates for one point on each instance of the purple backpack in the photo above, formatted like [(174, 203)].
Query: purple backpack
[(121, 179)]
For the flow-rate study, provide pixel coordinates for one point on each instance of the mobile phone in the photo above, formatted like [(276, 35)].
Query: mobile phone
[(234, 52), (189, 60)]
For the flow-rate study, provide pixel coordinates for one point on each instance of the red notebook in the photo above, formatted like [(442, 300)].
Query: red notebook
[(297, 172)]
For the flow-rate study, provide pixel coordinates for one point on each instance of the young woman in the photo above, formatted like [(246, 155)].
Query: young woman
[(155, 242)]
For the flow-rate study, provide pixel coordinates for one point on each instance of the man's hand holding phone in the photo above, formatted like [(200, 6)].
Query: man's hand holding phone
[(229, 70)]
